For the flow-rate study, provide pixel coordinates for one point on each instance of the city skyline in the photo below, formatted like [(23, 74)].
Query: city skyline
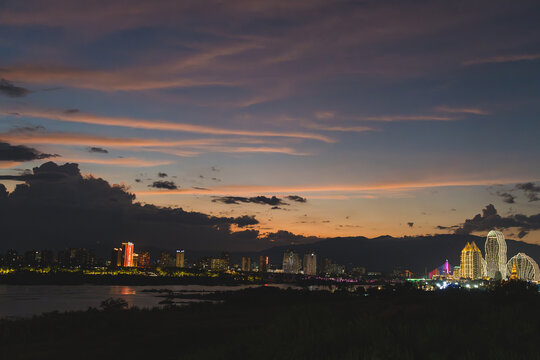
[(321, 119)]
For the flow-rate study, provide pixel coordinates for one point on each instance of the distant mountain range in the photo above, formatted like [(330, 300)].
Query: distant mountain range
[(385, 253)]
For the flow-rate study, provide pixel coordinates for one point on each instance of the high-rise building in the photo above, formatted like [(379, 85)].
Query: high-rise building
[(471, 262), (291, 262), (310, 263), (128, 254), (117, 257), (144, 259), (445, 270), (327, 264), (164, 259), (263, 263), (219, 264), (526, 267), (456, 274), (246, 263), (496, 255), (226, 257), (179, 258), (135, 260)]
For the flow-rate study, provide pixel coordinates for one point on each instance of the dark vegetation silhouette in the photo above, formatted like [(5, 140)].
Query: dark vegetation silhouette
[(267, 323)]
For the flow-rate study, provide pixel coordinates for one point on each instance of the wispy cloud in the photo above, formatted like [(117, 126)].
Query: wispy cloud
[(79, 117), (501, 59), (127, 161), (343, 188), (461, 110), (343, 128), (186, 147), (390, 118)]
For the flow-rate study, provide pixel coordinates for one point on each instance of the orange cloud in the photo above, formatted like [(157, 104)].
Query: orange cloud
[(172, 147), (263, 190), (8, 164), (78, 117)]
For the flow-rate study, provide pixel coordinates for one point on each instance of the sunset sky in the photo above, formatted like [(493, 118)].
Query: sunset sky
[(387, 117)]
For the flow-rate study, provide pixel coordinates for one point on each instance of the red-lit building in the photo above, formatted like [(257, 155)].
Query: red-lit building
[(128, 254)]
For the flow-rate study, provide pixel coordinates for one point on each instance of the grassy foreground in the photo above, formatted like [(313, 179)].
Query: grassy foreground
[(267, 323)]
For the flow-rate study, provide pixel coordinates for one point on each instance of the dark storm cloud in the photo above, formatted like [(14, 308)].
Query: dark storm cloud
[(98, 150), (507, 197), (59, 207), (169, 185), (282, 237), (490, 219), (453, 227), (296, 198), (10, 90), (531, 190), (162, 175), (411, 224), (263, 200), (21, 153)]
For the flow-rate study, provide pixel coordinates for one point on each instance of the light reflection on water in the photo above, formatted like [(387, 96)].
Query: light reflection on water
[(28, 300)]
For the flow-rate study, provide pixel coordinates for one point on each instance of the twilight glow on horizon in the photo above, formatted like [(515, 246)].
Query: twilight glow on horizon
[(362, 117)]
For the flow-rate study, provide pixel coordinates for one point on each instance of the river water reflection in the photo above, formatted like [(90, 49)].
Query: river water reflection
[(28, 300)]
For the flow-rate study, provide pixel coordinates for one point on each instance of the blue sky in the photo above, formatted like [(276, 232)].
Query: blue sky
[(379, 113)]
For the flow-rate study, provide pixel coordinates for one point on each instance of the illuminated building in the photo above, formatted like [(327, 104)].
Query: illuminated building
[(219, 264), (445, 270), (291, 262), (471, 262), (164, 259), (336, 269), (226, 257), (135, 260), (144, 259), (128, 254), (456, 274), (79, 257), (263, 263), (514, 274), (246, 263), (117, 257), (179, 258), (204, 263), (526, 268), (331, 268), (310, 264), (495, 255)]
